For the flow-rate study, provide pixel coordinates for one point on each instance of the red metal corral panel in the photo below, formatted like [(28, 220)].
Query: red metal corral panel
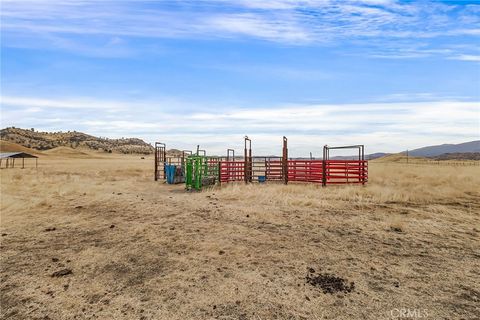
[(232, 171), (333, 171)]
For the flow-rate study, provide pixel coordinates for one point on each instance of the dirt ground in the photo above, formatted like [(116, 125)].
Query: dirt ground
[(99, 239)]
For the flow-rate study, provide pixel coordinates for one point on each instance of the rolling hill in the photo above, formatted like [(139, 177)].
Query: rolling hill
[(437, 150), (6, 146), (72, 139)]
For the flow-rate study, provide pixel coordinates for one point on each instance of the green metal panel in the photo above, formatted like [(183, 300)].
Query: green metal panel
[(201, 170)]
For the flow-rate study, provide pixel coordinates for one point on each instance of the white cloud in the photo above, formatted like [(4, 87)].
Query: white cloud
[(62, 104), (385, 127), (284, 21), (467, 57)]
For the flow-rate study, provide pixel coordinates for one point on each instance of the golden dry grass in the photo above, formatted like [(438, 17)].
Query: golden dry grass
[(409, 239)]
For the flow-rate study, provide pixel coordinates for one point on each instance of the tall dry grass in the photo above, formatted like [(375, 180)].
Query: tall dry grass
[(408, 184), (58, 179), (387, 184)]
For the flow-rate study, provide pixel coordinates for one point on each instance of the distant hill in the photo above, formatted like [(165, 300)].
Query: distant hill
[(458, 156), (73, 139), (433, 151), (69, 152), (398, 157)]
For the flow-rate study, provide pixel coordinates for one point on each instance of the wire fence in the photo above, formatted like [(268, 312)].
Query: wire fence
[(450, 163)]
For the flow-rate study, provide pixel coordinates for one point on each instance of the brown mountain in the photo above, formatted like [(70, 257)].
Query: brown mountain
[(49, 140)]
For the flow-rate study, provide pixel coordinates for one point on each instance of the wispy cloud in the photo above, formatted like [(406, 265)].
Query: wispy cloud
[(467, 57), (39, 103), (381, 126), (283, 21)]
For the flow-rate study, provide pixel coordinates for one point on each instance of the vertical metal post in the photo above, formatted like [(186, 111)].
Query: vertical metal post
[(36, 162), (23, 163), (164, 159), (324, 166), (285, 161), (156, 162), (245, 156), (360, 169), (363, 164), (248, 160), (228, 154), (407, 155)]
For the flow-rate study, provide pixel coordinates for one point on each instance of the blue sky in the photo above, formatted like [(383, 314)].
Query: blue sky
[(388, 74)]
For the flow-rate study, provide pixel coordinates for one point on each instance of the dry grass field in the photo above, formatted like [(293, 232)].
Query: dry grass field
[(97, 238)]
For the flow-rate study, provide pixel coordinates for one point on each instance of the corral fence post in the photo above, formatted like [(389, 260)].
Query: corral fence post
[(285, 161), (324, 166), (248, 160)]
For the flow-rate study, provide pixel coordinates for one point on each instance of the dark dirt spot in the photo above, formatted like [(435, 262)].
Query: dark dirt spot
[(50, 229), (396, 229), (54, 259), (248, 216), (79, 207), (329, 283), (112, 226), (119, 193), (61, 273), (396, 284), (172, 228), (221, 252), (4, 234)]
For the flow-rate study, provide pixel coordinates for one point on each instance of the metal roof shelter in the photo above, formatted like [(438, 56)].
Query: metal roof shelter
[(11, 156)]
